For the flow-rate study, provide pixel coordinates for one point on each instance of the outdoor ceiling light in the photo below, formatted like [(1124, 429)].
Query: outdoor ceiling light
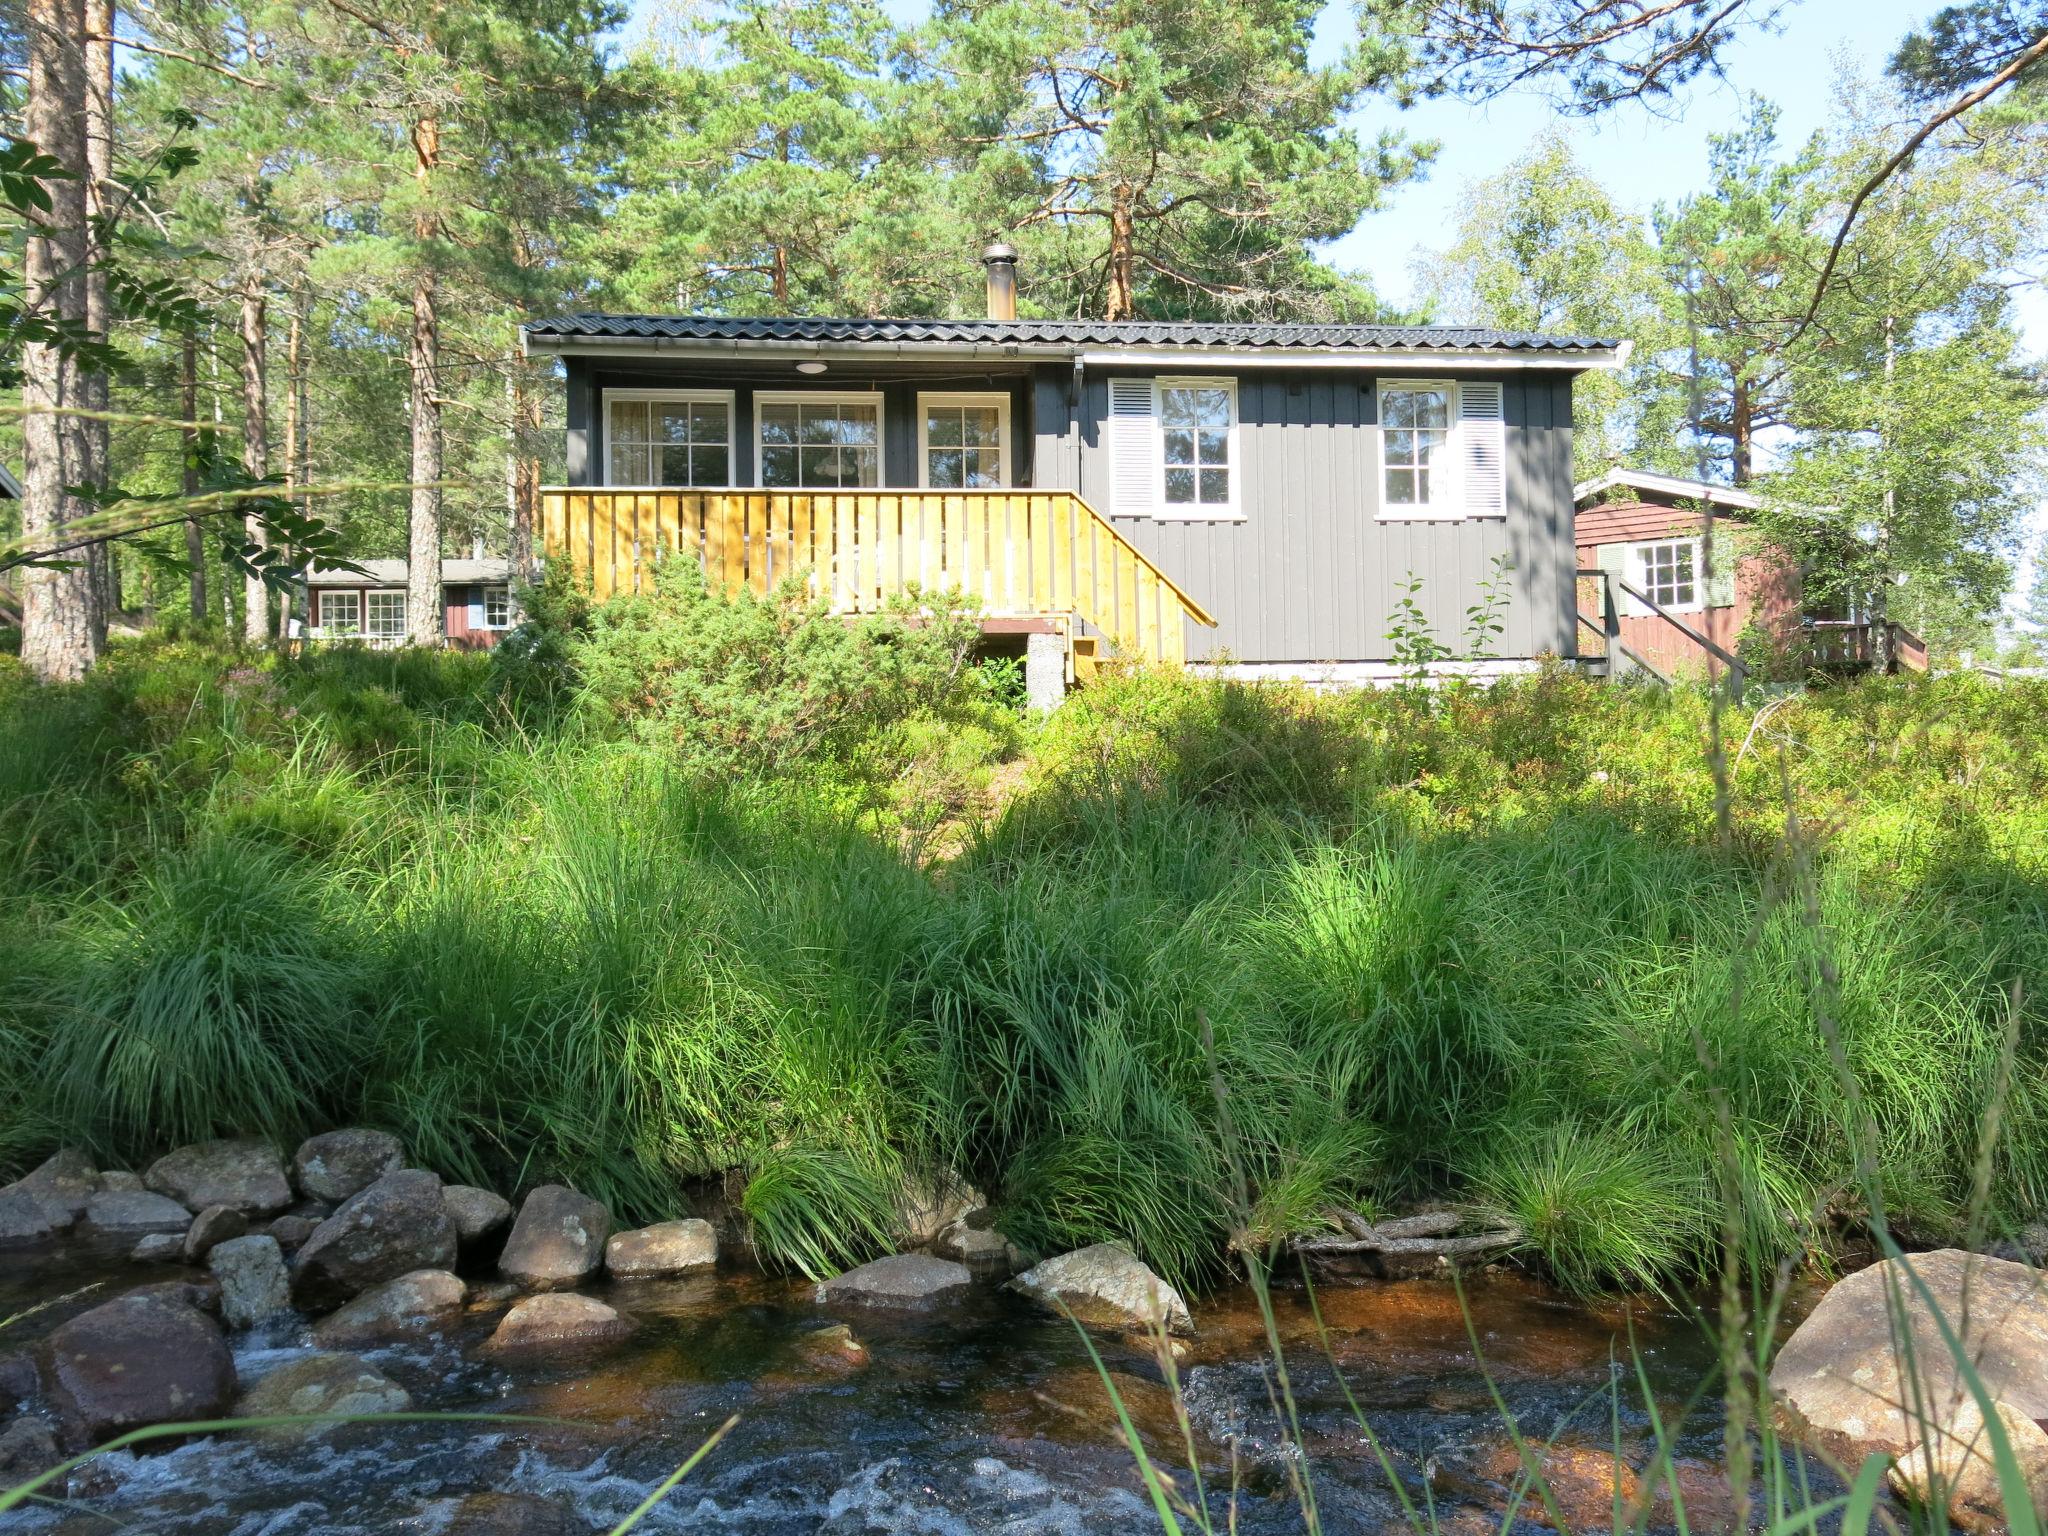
[(811, 367)]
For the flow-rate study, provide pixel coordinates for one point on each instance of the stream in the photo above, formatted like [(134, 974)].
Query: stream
[(987, 1416)]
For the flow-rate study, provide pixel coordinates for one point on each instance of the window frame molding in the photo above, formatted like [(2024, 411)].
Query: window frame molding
[(483, 601), (872, 397), (1441, 508), (1163, 511), (727, 397), (1000, 399), (1633, 562), (404, 629), (354, 594)]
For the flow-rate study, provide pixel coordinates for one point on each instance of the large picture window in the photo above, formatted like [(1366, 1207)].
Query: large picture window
[(1415, 446), (1197, 421), (677, 438), (965, 441), (386, 619), (341, 612), (819, 441)]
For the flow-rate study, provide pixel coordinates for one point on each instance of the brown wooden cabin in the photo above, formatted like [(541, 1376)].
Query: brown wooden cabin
[(367, 607)]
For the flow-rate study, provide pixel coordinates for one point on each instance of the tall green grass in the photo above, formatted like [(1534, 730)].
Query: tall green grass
[(1485, 947)]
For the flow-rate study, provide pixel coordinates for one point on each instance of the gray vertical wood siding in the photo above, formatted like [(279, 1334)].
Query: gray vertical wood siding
[(1310, 574)]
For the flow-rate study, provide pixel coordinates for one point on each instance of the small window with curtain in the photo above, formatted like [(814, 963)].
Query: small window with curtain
[(674, 439), (819, 441), (386, 619), (965, 441)]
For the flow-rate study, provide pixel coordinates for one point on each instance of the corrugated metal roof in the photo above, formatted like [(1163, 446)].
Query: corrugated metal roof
[(1059, 333)]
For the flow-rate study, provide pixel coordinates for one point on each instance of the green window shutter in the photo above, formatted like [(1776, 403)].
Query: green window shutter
[(1721, 583), (1613, 559)]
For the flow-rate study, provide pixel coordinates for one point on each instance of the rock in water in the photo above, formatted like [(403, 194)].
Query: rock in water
[(1107, 1286), (416, 1303), (337, 1164), (987, 1254), (556, 1319), (1838, 1381), (210, 1228), (121, 1182), (514, 1514), (668, 1248), (557, 1242), (291, 1232), (138, 1360), (1957, 1460), (247, 1176), (27, 1447), (159, 1248), (254, 1284), (133, 1214), (908, 1282), (321, 1384), (397, 1225), (478, 1214), (48, 1199), (832, 1348), (928, 1204)]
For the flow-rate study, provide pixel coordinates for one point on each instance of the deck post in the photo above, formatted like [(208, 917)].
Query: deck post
[(1045, 671)]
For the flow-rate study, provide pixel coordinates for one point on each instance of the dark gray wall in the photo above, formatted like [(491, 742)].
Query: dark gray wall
[(1309, 575)]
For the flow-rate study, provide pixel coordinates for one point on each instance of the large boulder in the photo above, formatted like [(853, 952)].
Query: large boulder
[(667, 1248), (397, 1225), (337, 1164), (245, 1175), (905, 1282), (558, 1241), (1106, 1286), (319, 1385), (557, 1319), (131, 1215), (479, 1215), (210, 1228), (416, 1303), (138, 1360), (47, 1199), (254, 1284), (1838, 1381), (1952, 1471)]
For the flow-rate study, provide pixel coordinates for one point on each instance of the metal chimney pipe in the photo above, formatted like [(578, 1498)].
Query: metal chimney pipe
[(1000, 260)]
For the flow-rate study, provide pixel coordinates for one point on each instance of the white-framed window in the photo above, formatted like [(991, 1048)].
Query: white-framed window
[(680, 437), (341, 612), (1176, 448), (963, 441), (815, 440), (1668, 572), (385, 618), (497, 607), (1442, 449)]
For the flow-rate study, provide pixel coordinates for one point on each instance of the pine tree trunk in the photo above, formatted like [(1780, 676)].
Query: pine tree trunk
[(522, 472), (1741, 433), (1121, 302), (1880, 607), (60, 641), (195, 536), (423, 577), (294, 405), (255, 440), (99, 181)]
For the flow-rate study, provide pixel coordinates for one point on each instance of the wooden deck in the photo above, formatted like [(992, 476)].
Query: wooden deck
[(1021, 554)]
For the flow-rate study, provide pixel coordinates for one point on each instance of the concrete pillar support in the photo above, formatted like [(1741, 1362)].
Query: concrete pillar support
[(1045, 671)]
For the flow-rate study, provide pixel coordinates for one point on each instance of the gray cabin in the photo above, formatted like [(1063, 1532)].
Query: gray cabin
[(1194, 492)]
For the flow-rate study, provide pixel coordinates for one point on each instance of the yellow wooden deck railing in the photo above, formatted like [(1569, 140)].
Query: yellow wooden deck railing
[(1022, 553)]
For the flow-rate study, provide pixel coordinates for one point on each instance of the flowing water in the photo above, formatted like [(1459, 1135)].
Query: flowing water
[(985, 1417)]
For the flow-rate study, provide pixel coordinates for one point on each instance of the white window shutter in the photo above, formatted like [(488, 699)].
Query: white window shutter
[(1482, 428), (1134, 447)]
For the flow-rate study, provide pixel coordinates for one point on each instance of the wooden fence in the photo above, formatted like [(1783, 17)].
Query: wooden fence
[(1019, 553)]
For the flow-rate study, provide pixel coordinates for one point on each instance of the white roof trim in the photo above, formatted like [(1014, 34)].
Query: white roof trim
[(1668, 485)]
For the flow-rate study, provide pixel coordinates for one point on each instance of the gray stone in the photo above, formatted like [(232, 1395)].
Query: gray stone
[(557, 1319), (18, 1382), (202, 1293), (667, 1248), (121, 1182), (397, 1225), (291, 1232), (420, 1302), (319, 1385), (134, 1214), (1107, 1286), (1045, 672), (832, 1348), (246, 1175), (28, 1447), (254, 1284), (513, 1514), (212, 1227), (1838, 1382), (987, 1254), (337, 1164), (1952, 1470), (927, 1204), (558, 1240), (908, 1282), (478, 1214), (138, 1360), (160, 1248), (48, 1199)]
